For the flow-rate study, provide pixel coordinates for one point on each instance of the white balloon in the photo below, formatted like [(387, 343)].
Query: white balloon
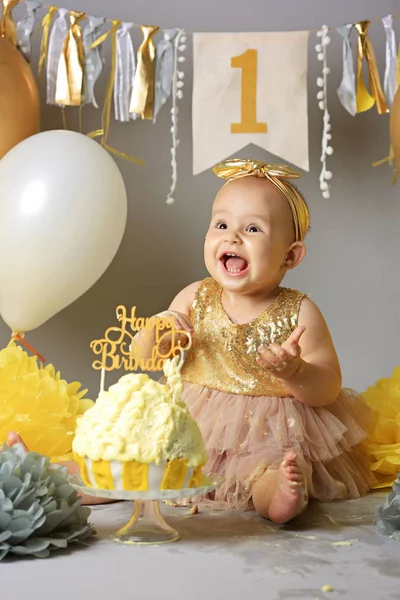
[(63, 211)]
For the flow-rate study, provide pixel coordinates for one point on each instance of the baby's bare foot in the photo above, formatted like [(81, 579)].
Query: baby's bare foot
[(290, 497)]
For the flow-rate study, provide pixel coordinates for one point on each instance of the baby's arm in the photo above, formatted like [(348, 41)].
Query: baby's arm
[(318, 380), (307, 361), (184, 300), (180, 307)]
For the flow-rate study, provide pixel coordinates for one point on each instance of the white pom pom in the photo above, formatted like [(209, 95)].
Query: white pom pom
[(326, 40), (326, 194), (179, 93), (181, 59), (170, 200), (328, 175), (182, 39), (318, 48), (173, 151), (328, 127), (320, 56), (326, 70), (319, 33), (172, 129), (320, 95), (329, 150), (182, 48), (181, 74), (321, 105), (179, 84), (328, 136), (320, 82), (323, 185)]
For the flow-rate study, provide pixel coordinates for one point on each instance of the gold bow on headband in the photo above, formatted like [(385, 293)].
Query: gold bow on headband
[(276, 174)]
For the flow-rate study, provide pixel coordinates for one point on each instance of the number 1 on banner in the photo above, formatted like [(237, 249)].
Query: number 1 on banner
[(248, 63)]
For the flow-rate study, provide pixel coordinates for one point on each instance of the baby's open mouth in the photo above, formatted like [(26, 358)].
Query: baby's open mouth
[(233, 263)]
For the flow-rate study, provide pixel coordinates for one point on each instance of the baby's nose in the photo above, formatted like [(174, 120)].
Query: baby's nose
[(232, 236)]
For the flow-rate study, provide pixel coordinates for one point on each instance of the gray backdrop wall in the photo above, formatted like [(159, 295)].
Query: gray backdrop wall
[(351, 270)]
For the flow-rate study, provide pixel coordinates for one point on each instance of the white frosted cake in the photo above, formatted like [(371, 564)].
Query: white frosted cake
[(139, 436)]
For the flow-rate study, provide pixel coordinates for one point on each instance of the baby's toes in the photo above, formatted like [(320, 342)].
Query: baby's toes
[(292, 470), (289, 458)]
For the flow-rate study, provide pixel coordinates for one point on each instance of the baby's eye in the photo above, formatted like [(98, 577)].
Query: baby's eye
[(221, 225), (253, 229)]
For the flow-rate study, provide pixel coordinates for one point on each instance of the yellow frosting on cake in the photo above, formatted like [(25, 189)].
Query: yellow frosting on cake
[(197, 478), (135, 476), (80, 461), (139, 419), (175, 475), (102, 474)]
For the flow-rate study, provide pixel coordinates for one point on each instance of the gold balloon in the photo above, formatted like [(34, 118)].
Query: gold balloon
[(19, 98), (395, 127)]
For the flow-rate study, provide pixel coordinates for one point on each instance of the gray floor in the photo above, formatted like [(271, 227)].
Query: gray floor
[(223, 556)]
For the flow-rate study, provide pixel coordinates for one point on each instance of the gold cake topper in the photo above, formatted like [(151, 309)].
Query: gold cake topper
[(117, 349)]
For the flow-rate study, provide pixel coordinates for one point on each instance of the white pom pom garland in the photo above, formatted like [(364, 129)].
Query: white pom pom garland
[(322, 97), (177, 94)]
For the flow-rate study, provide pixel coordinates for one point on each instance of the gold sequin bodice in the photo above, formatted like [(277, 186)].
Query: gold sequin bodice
[(223, 354)]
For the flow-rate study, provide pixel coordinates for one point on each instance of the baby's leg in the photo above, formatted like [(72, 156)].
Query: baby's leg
[(281, 494)]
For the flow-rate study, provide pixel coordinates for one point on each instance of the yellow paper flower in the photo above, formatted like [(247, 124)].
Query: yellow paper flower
[(36, 403), (383, 443)]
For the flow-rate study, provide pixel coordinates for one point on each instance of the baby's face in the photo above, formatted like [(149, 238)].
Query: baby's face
[(249, 237)]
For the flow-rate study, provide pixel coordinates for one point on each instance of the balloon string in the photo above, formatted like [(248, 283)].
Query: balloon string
[(64, 118), (17, 336)]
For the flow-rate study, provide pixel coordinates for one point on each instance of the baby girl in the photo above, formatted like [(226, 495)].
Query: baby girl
[(262, 377)]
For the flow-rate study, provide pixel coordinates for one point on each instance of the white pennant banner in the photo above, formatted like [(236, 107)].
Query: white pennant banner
[(250, 88)]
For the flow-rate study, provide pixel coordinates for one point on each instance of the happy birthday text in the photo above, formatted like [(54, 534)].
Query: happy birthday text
[(120, 348)]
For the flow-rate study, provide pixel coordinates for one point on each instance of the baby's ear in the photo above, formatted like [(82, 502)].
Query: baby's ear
[(295, 255)]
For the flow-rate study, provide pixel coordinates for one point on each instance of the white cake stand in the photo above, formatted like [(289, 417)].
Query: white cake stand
[(147, 526)]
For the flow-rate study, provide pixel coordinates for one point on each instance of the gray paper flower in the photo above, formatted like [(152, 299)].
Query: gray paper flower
[(388, 519), (39, 509)]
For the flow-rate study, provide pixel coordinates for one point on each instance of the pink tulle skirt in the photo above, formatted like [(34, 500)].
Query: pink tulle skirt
[(245, 435)]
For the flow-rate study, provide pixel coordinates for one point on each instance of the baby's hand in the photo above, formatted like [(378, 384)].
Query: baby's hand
[(181, 322), (283, 361)]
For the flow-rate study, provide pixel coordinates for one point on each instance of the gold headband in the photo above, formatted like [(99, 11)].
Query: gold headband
[(276, 174)]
